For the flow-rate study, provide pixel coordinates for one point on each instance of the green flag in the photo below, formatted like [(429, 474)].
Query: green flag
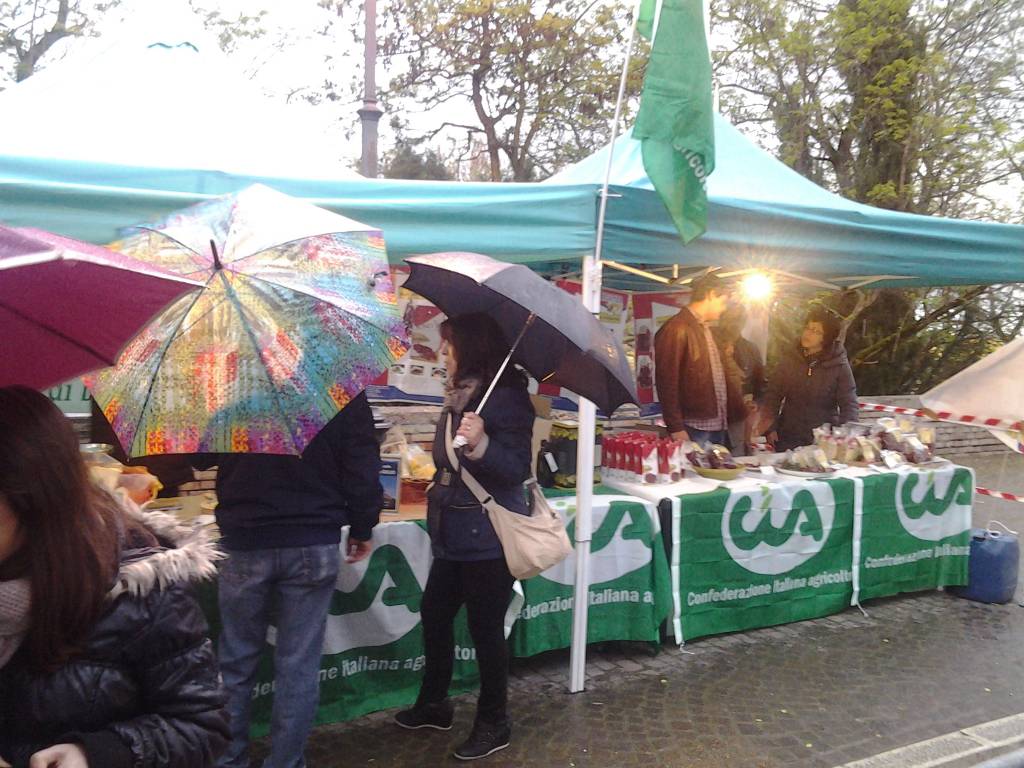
[(675, 123)]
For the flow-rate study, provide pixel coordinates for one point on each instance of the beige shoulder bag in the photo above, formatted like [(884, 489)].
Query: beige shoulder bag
[(532, 543)]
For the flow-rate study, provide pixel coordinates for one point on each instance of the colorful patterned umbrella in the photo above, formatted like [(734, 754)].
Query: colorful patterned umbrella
[(298, 315)]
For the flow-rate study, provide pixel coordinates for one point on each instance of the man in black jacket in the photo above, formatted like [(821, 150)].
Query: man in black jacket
[(280, 519)]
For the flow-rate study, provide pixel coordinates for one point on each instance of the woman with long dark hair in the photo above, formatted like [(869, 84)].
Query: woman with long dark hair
[(104, 659), (469, 565)]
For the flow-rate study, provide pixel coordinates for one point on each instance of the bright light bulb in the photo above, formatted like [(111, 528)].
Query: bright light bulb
[(757, 286)]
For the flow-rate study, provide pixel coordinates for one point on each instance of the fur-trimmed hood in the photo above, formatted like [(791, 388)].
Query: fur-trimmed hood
[(142, 687), (186, 554)]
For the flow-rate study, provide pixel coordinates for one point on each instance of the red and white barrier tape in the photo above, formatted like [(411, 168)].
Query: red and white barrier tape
[(946, 416), (999, 494), (960, 419)]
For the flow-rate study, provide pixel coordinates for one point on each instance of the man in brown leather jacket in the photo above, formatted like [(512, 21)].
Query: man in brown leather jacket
[(698, 395)]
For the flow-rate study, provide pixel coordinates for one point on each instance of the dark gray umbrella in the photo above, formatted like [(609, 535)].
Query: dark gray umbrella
[(564, 345)]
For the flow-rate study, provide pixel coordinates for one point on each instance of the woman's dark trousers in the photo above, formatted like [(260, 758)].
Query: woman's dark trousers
[(484, 586)]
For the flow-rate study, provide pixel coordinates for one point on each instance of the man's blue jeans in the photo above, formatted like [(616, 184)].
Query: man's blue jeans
[(292, 589)]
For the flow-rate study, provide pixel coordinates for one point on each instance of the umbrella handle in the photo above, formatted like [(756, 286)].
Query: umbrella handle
[(216, 256), (459, 440)]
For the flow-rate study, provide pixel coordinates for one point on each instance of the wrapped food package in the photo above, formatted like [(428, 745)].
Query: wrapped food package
[(676, 460), (649, 461), (892, 440), (664, 449), (831, 444), (915, 451), (419, 463), (926, 434), (139, 484), (892, 459), (868, 452), (697, 456), (819, 460), (720, 457), (905, 424), (808, 458)]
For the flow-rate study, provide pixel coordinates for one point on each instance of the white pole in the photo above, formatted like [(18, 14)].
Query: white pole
[(587, 418)]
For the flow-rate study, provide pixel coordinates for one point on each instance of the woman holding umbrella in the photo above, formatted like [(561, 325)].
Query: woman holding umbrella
[(469, 566)]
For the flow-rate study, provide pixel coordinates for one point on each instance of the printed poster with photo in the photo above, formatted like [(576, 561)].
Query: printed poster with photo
[(650, 312), (419, 373)]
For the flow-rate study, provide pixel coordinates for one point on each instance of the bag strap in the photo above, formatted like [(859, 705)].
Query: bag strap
[(474, 486), (449, 449)]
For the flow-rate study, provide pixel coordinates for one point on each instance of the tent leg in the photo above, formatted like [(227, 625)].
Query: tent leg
[(588, 414), (584, 509)]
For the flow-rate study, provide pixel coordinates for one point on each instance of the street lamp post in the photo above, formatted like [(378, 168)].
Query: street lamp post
[(370, 112)]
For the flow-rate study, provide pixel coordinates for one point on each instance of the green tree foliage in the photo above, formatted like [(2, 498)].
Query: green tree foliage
[(912, 105), (536, 82), (30, 28), (405, 161), (230, 29)]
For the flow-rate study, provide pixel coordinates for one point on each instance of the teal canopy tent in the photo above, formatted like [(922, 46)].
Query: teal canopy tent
[(77, 162), (513, 222), (157, 121), (764, 214)]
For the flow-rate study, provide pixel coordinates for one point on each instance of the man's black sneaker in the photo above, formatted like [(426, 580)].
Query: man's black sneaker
[(485, 739), (438, 716)]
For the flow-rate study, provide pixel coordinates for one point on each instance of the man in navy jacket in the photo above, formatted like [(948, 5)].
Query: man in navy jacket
[(280, 519)]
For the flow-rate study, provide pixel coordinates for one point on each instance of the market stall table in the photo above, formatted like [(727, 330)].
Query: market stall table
[(373, 654), (764, 550)]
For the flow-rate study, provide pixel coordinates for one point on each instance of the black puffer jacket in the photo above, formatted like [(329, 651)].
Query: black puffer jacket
[(807, 392), (146, 690)]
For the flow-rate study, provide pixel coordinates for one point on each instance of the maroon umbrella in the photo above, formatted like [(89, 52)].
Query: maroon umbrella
[(67, 307)]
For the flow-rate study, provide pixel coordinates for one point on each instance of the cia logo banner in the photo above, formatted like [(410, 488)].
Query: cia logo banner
[(934, 505), (377, 600), (778, 528), (621, 540), (916, 530), (754, 557), (629, 593)]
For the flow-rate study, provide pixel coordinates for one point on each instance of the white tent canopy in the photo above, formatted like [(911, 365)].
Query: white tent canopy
[(989, 389), (164, 96)]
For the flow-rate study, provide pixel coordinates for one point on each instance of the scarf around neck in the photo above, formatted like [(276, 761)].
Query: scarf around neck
[(458, 395), (15, 602)]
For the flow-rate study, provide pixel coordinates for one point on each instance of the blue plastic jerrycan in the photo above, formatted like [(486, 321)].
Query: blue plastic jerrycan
[(993, 565)]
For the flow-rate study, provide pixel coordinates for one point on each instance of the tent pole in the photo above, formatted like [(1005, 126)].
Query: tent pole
[(588, 416), (635, 271)]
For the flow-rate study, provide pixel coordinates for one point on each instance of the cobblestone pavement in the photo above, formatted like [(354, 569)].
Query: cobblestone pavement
[(815, 693)]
